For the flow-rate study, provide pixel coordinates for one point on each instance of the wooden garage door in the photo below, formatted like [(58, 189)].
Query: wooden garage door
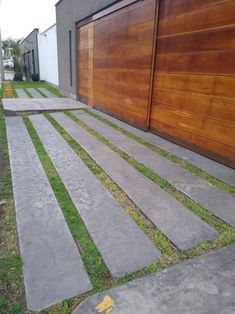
[(194, 82), (114, 62)]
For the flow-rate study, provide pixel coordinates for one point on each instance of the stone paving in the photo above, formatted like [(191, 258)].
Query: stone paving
[(35, 93), (21, 93), (210, 166), (200, 286), (47, 92), (115, 234), (185, 230), (222, 204), (52, 266), (17, 106)]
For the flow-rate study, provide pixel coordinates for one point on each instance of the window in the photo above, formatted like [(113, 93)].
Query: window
[(33, 60)]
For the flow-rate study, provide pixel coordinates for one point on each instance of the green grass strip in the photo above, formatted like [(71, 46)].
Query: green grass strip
[(27, 92), (198, 172), (156, 235), (227, 233), (40, 92), (93, 262), (50, 88), (170, 254)]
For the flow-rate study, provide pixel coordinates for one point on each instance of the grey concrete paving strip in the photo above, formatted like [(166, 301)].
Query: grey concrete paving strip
[(47, 92), (17, 106), (179, 224), (52, 266), (34, 93), (123, 245), (210, 166), (199, 286), (222, 204), (21, 93)]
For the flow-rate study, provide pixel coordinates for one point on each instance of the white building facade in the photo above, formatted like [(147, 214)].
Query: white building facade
[(48, 57)]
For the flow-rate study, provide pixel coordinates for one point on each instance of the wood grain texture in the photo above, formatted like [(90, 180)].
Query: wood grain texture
[(119, 50), (85, 63), (123, 44), (193, 99)]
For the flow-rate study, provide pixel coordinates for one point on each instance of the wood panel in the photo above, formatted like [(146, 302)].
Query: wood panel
[(193, 100), (123, 43), (85, 63)]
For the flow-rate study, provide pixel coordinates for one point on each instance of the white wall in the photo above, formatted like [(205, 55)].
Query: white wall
[(48, 59)]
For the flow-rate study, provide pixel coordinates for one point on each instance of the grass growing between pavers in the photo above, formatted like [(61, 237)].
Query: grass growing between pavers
[(227, 233), (93, 262), (198, 172), (40, 92), (171, 255), (25, 85), (27, 92), (11, 280)]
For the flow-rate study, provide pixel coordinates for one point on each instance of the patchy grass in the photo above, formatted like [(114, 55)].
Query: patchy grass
[(207, 216), (171, 255), (93, 261), (40, 92), (11, 281), (35, 85), (198, 172), (27, 92), (11, 284)]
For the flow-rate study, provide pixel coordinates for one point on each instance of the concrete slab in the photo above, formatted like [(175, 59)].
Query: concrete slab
[(21, 93), (179, 224), (34, 93), (200, 286), (17, 106), (123, 245), (47, 92), (222, 204), (210, 166), (52, 266)]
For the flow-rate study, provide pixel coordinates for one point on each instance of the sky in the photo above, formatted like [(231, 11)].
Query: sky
[(19, 17)]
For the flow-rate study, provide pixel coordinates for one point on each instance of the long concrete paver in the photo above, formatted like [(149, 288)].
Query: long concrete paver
[(21, 93), (47, 93), (34, 93), (199, 286), (179, 224), (17, 106), (123, 245), (52, 266), (210, 166), (222, 204)]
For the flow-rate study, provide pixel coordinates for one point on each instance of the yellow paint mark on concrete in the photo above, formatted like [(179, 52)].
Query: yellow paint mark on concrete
[(8, 93), (106, 306)]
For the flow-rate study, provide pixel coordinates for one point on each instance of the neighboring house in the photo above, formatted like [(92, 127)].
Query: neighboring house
[(29, 52), (1, 61), (163, 66), (47, 51)]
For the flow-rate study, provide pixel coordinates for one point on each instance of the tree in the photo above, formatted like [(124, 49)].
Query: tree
[(14, 47)]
